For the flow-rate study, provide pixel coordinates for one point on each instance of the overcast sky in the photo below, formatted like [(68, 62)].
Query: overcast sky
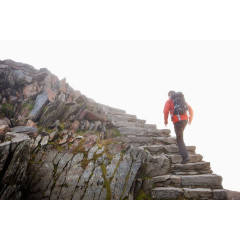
[(137, 75)]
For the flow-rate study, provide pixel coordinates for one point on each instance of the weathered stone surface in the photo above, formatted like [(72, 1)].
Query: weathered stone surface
[(169, 193), (197, 167), (41, 101), (4, 129), (44, 140), (14, 156), (4, 152), (74, 127), (158, 166), (30, 123), (132, 131), (198, 193), (63, 86), (30, 90), (219, 194), (24, 129), (89, 115), (89, 142), (205, 180)]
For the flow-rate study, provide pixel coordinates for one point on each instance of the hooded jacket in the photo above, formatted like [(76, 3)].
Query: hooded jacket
[(169, 107)]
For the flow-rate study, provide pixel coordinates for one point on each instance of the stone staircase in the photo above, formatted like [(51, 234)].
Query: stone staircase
[(168, 177)]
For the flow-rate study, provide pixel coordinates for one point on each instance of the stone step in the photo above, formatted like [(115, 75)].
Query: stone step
[(150, 126), (176, 158), (192, 181), (132, 131), (172, 193), (139, 131), (165, 140), (124, 124), (191, 168), (167, 149), (135, 139), (145, 139), (158, 132)]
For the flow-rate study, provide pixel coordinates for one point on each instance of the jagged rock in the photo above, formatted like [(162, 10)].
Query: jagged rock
[(30, 90), (50, 94), (74, 127), (158, 166), (64, 140), (4, 101), (44, 140), (92, 151), (37, 140), (4, 129), (30, 123), (53, 134), (62, 97), (12, 99), (41, 101), (87, 114), (21, 120), (89, 142), (63, 87), (24, 129), (5, 121), (14, 156)]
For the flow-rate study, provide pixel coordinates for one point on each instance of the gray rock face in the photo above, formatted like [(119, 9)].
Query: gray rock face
[(85, 175), (41, 101), (14, 157)]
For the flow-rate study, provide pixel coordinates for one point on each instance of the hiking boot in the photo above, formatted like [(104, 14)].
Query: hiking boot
[(184, 161)]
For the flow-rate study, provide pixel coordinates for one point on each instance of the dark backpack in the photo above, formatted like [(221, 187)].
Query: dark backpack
[(180, 105)]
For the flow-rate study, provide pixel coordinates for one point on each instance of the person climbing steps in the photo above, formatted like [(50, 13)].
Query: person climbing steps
[(178, 108)]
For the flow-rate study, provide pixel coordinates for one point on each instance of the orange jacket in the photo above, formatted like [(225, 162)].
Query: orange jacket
[(169, 107)]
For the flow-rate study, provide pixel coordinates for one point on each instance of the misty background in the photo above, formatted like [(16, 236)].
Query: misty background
[(137, 75)]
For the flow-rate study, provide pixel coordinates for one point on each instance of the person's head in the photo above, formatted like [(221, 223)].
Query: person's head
[(170, 93)]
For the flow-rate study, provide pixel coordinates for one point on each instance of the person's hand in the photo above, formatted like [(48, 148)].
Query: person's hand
[(166, 124)]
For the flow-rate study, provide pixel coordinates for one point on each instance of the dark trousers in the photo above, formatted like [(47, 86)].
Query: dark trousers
[(179, 129)]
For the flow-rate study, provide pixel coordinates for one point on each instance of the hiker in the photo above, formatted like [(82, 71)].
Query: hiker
[(178, 108)]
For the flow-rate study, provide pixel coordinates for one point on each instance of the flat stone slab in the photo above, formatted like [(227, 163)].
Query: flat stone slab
[(132, 131), (176, 158), (220, 194), (166, 149), (205, 180), (150, 126), (166, 193), (158, 132), (24, 129), (198, 193), (197, 166), (165, 140)]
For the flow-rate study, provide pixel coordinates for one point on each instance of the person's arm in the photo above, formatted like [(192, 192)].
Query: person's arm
[(190, 113), (166, 112)]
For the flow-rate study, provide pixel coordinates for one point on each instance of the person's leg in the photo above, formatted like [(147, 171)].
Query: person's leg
[(179, 129)]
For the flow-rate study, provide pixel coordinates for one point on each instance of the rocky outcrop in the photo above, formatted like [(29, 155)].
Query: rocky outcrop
[(58, 144), (14, 159)]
